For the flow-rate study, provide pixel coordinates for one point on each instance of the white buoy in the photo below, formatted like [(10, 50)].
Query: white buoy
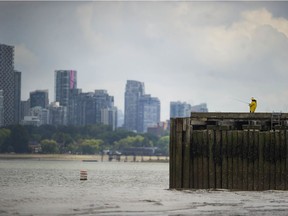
[(83, 175)]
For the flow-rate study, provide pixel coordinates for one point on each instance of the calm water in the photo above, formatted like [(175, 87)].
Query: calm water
[(31, 187)]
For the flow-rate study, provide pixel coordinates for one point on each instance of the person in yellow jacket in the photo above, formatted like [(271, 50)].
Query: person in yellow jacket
[(253, 105)]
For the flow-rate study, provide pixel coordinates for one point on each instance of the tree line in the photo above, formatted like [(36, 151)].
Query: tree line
[(91, 139)]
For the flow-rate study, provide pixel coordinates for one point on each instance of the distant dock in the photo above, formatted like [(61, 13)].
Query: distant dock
[(238, 151), (84, 158)]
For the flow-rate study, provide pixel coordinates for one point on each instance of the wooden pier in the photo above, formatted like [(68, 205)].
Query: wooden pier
[(237, 151)]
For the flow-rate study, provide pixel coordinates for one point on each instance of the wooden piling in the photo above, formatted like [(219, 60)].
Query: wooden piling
[(186, 153), (222, 150)]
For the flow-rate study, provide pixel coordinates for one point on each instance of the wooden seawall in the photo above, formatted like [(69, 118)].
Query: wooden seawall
[(241, 151)]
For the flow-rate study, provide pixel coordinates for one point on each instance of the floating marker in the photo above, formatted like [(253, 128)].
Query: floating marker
[(83, 175)]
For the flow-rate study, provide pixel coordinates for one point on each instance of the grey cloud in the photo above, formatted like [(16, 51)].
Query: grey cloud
[(190, 51)]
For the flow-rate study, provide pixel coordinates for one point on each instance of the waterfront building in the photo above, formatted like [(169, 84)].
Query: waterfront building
[(65, 80), (10, 83), (133, 91), (148, 113), (39, 98)]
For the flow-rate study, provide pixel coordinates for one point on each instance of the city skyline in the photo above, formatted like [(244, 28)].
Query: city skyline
[(217, 53)]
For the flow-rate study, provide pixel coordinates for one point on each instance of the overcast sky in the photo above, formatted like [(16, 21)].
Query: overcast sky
[(212, 52)]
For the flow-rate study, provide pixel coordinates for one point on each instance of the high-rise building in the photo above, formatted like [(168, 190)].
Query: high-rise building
[(85, 108), (199, 108), (148, 113), (17, 96), (65, 80), (37, 116), (73, 107), (1, 108), (10, 83), (109, 117), (182, 109), (39, 98), (24, 109), (133, 91), (41, 113), (179, 109), (103, 101), (57, 114), (120, 118)]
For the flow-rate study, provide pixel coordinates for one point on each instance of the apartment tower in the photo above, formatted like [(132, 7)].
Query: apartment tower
[(39, 98), (10, 84), (148, 113), (133, 92), (65, 81)]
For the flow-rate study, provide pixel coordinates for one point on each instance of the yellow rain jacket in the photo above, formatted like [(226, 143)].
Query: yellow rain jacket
[(253, 105)]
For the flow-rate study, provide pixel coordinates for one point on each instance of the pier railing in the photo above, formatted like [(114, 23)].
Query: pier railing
[(240, 151)]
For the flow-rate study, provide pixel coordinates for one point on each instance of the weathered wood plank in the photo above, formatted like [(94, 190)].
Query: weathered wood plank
[(186, 154), (240, 161), (200, 159), (272, 162), (286, 161), (235, 116), (212, 176), (245, 159), (218, 159), (250, 160), (191, 173), (205, 160), (277, 160), (234, 160), (261, 161), (178, 153), (195, 159), (256, 159), (229, 159), (225, 160), (172, 154), (267, 160), (282, 158)]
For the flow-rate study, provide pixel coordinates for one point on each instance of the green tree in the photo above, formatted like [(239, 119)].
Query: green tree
[(63, 139), (19, 138), (49, 146), (163, 145), (4, 145), (130, 141), (90, 146)]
